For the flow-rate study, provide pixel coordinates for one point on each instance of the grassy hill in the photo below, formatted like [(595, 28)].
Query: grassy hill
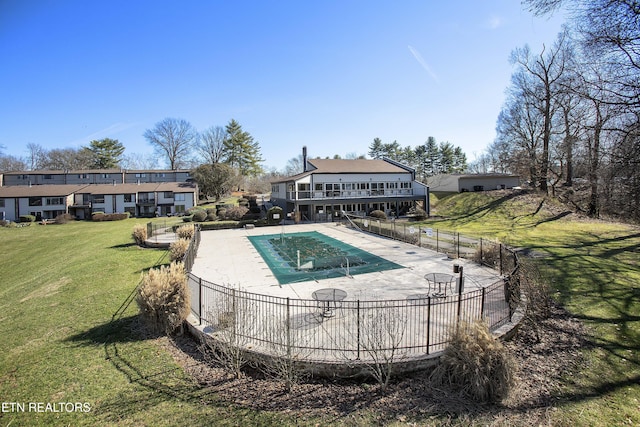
[(593, 269), (68, 334)]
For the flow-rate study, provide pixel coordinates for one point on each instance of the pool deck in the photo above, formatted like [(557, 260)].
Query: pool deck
[(227, 257)]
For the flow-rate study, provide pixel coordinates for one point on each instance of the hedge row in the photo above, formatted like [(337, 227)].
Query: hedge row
[(98, 216)]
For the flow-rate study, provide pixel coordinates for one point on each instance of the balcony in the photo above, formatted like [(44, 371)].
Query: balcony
[(348, 194)]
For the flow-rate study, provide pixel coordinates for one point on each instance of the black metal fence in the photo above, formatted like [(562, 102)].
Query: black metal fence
[(357, 330)]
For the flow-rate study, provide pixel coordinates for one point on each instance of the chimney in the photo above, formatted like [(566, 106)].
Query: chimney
[(304, 158)]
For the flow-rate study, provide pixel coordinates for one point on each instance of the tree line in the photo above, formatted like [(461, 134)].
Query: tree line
[(570, 121), (428, 159)]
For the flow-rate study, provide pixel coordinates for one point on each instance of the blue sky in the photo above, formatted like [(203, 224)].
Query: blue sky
[(331, 75)]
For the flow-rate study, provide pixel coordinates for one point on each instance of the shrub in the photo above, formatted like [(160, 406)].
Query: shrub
[(101, 216), (199, 215), (163, 298), (27, 218), (488, 254), (212, 217), (185, 231), (476, 364), (187, 219), (178, 248), (274, 215), (139, 234), (378, 214), (64, 218), (222, 213), (243, 202), (236, 213), (211, 211), (418, 213)]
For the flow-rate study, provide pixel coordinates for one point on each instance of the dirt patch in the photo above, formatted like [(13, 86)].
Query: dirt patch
[(541, 369)]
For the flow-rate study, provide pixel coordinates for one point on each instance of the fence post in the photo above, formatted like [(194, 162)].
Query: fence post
[(481, 258), (358, 329), (437, 240), (500, 247), (288, 330), (200, 301), (428, 322), (482, 300), (458, 254)]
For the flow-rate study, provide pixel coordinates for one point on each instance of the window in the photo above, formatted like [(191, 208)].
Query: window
[(179, 197), (47, 176), (141, 175), (55, 201), (35, 201), (1, 203), (83, 176), (160, 175), (179, 208), (405, 185), (318, 186), (131, 210), (105, 175), (129, 198), (168, 194), (97, 198)]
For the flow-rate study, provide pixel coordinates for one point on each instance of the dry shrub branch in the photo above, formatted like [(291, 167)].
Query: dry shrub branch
[(476, 364), (163, 298)]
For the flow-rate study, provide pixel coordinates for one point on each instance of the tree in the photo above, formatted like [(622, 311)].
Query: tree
[(539, 77), (107, 153), (241, 151), (68, 159), (11, 163), (375, 149), (294, 166), (211, 144), (172, 139), (214, 180), (37, 156)]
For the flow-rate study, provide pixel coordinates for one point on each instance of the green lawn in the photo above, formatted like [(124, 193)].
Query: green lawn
[(61, 285), (66, 336), (594, 270)]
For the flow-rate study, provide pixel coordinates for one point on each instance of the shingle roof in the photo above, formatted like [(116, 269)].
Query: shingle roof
[(354, 166), (40, 190)]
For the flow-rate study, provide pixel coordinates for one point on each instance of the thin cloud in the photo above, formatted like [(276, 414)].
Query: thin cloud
[(423, 63), (494, 22), (104, 133)]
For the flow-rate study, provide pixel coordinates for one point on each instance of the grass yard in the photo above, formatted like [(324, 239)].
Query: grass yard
[(594, 270), (61, 285), (69, 336)]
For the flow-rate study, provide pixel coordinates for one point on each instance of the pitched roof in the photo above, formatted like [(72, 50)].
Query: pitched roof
[(354, 166), (13, 191)]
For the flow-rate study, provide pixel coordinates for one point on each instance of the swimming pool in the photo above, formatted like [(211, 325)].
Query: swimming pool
[(299, 257)]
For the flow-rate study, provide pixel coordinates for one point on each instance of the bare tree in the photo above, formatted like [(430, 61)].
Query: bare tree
[(211, 144), (539, 77), (36, 157), (173, 140)]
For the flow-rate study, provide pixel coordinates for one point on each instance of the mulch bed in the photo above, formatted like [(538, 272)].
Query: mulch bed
[(542, 366)]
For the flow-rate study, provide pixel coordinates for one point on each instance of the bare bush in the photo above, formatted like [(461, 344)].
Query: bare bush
[(488, 253), (139, 234), (537, 294), (185, 231), (382, 331), (234, 213), (234, 320), (177, 249), (476, 364), (163, 298)]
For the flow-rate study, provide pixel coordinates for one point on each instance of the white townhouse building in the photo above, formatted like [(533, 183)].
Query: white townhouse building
[(49, 201), (327, 187)]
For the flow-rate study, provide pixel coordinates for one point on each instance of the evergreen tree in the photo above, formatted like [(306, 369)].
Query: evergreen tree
[(241, 151), (375, 149), (106, 153)]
